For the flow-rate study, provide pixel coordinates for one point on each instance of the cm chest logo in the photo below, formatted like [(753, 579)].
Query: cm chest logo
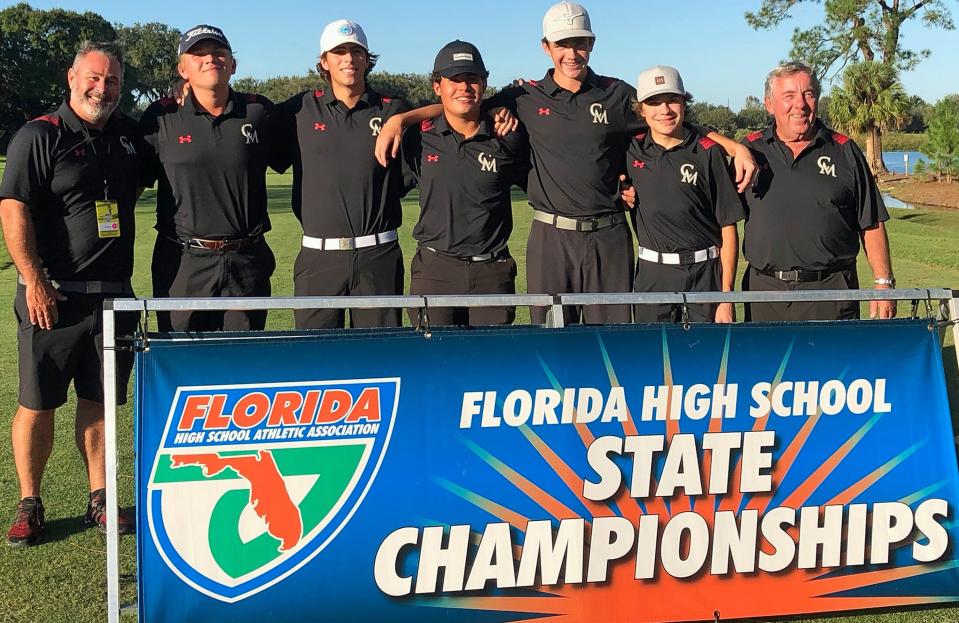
[(253, 481)]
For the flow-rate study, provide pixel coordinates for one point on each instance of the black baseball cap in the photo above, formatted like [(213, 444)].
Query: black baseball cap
[(459, 57), (200, 32)]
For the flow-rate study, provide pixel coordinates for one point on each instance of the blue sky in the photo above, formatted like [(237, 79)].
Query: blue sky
[(721, 59)]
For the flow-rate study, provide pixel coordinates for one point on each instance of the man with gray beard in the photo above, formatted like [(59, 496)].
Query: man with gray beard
[(66, 203)]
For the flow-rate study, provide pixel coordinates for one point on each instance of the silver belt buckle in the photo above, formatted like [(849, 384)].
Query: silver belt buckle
[(347, 244)]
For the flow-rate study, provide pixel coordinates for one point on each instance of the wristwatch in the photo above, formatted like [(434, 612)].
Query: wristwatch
[(886, 281)]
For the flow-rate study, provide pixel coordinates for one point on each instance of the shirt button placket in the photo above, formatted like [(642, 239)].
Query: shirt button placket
[(216, 130)]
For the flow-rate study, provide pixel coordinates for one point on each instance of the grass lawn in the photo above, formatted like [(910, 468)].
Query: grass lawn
[(64, 579)]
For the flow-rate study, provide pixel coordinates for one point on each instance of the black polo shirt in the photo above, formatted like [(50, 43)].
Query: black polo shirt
[(685, 193), (465, 206), (212, 170), (808, 212), (339, 189), (60, 168), (578, 141)]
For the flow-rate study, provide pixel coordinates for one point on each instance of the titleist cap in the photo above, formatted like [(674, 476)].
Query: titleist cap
[(200, 33)]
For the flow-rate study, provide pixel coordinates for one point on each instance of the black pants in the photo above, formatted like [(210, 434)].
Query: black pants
[(49, 359), (802, 310), (371, 271), (654, 277), (560, 261), (433, 273), (184, 273)]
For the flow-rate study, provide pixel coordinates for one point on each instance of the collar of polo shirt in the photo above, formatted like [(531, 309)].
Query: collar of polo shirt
[(551, 88), (485, 128), (821, 132), (233, 102)]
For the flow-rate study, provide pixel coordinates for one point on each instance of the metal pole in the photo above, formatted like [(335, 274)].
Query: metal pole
[(110, 440), (954, 317)]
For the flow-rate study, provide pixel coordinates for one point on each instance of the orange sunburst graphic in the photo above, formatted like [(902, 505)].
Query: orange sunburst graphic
[(622, 598)]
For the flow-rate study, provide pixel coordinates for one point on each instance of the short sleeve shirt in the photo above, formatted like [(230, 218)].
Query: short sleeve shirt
[(212, 170), (685, 193), (339, 189), (465, 205), (807, 212), (60, 168), (578, 141)]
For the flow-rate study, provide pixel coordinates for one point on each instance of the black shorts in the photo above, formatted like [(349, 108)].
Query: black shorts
[(560, 261), (434, 273), (71, 351), (371, 271), (655, 277), (186, 273), (846, 279)]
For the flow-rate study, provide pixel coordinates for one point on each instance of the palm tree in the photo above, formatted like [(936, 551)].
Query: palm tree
[(870, 101)]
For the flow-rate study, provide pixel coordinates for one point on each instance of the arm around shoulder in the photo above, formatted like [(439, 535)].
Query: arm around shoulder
[(391, 135)]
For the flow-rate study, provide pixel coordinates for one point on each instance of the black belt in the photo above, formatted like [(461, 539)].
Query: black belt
[(228, 244), (801, 276), (121, 286)]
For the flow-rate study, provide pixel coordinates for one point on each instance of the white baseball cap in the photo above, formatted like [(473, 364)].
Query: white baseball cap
[(566, 20), (342, 31), (658, 80)]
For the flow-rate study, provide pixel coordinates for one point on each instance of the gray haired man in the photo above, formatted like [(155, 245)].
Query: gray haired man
[(813, 203), (66, 202)]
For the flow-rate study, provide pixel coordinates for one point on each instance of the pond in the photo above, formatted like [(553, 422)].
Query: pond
[(896, 161)]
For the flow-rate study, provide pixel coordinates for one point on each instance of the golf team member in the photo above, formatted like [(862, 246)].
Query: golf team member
[(688, 207), (464, 174), (813, 202), (66, 202), (348, 204), (579, 124), (211, 155)]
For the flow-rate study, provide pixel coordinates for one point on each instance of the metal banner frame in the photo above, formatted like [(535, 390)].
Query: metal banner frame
[(940, 305)]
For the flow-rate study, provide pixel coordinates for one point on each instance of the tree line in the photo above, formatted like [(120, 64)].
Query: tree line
[(857, 44)]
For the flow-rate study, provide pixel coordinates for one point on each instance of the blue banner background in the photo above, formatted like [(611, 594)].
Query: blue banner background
[(428, 450)]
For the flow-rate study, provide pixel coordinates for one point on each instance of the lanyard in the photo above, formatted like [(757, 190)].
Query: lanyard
[(98, 157)]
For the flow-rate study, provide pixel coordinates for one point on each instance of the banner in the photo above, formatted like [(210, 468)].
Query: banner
[(626, 473)]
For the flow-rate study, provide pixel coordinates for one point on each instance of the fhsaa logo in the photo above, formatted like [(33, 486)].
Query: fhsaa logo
[(234, 500)]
